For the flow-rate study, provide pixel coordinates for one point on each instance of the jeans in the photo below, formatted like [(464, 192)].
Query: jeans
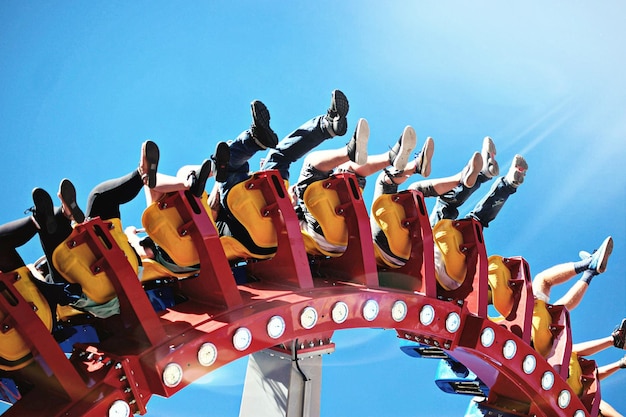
[(486, 209)]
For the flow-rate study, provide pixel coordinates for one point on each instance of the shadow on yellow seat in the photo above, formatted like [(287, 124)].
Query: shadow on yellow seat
[(551, 335), (403, 220), (14, 351), (510, 292)]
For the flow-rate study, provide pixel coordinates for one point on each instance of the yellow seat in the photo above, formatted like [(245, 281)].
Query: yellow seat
[(541, 334), (74, 262), (501, 293), (321, 202), (448, 241), (162, 223), (14, 352), (575, 373), (389, 216)]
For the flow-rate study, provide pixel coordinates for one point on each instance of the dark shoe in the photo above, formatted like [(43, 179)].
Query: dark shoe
[(149, 163), (44, 210), (399, 154), (67, 193), (198, 182), (261, 130), (337, 112), (357, 147), (619, 335), (221, 158)]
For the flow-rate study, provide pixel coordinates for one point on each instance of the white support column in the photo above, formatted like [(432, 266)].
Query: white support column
[(279, 384)]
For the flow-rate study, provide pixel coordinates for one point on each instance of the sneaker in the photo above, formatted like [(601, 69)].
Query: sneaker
[(619, 335), (149, 163), (490, 165), (471, 170), (517, 172), (198, 180), (599, 257), (424, 158), (336, 114), (357, 147), (67, 194), (221, 158), (399, 154), (262, 133), (43, 212)]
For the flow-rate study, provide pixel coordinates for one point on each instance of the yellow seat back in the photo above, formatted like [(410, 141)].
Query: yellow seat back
[(321, 203), (389, 216), (448, 241), (14, 353), (162, 224), (541, 335), (575, 375), (74, 263), (247, 205), (500, 290)]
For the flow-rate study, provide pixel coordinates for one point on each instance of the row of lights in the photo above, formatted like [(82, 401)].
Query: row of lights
[(509, 349), (242, 338)]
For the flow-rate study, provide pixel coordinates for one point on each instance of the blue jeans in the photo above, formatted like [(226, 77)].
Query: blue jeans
[(288, 150), (447, 205), (295, 146)]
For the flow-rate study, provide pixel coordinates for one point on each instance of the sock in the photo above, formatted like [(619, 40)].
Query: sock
[(588, 276), (582, 265)]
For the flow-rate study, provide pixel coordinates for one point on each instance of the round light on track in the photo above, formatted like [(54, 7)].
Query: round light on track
[(564, 398), (370, 310), (487, 337), (509, 349), (529, 364), (453, 322), (207, 354), (308, 317), (399, 310), (340, 312), (119, 408), (242, 339), (172, 374), (275, 327), (547, 380), (427, 314)]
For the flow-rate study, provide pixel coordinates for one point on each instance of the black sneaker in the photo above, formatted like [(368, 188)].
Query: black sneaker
[(337, 112), (67, 193), (619, 335), (221, 158), (198, 181), (357, 147), (44, 210), (261, 130)]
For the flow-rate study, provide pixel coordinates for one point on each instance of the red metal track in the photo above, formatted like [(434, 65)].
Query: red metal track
[(129, 367)]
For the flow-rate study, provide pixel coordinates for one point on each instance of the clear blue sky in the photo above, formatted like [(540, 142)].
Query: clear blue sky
[(84, 83)]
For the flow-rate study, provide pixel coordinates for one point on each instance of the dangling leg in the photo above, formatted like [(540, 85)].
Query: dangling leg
[(105, 199), (447, 205), (309, 136)]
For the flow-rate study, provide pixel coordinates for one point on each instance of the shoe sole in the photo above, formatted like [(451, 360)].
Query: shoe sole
[(203, 175), (606, 248), (68, 194), (260, 114), (473, 168), (151, 153), (426, 156), (44, 208), (340, 103), (221, 159), (362, 135), (407, 144)]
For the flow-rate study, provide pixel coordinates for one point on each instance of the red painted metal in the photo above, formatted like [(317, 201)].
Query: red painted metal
[(129, 368)]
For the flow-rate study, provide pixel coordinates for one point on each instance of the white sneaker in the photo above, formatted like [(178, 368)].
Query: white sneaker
[(471, 170), (399, 154), (424, 158), (490, 165), (517, 172)]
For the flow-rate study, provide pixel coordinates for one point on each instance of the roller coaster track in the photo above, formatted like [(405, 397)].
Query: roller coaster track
[(218, 319)]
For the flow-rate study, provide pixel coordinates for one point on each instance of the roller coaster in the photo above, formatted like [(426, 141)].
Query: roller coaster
[(170, 331)]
